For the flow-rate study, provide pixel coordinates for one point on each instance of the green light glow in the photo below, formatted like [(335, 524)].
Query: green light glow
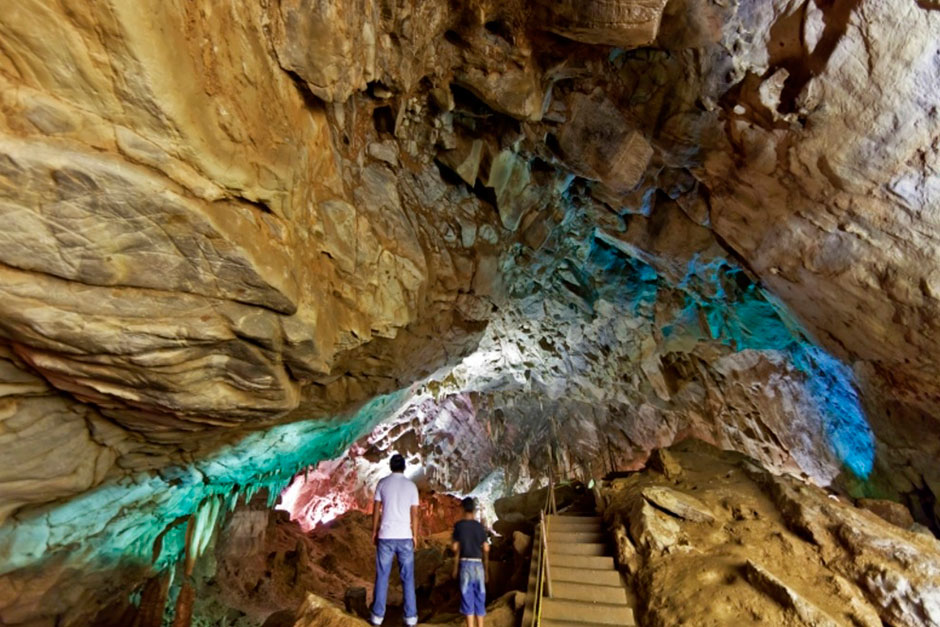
[(96, 531)]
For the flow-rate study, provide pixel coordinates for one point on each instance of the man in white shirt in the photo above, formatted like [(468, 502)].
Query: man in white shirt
[(395, 533)]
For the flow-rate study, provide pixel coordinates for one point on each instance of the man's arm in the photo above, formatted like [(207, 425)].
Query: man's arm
[(414, 524), (456, 547), (376, 519)]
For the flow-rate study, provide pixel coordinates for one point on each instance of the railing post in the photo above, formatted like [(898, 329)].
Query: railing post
[(552, 505), (548, 572), (600, 506)]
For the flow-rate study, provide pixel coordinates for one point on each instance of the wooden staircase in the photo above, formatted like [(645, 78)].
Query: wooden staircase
[(580, 584)]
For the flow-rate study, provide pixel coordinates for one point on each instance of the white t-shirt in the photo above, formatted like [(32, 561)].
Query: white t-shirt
[(397, 494)]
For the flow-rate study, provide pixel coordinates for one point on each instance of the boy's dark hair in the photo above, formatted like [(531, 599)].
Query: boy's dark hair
[(469, 505), (397, 463)]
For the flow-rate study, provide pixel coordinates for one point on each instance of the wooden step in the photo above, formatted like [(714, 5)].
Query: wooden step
[(549, 622), (586, 576), (575, 520), (577, 548), (597, 520), (564, 525), (588, 592), (556, 528), (593, 562), (579, 612), (593, 537)]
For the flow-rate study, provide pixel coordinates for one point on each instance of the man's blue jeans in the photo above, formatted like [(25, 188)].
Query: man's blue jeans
[(384, 552)]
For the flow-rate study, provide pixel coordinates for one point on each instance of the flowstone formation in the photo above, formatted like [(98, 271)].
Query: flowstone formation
[(237, 238)]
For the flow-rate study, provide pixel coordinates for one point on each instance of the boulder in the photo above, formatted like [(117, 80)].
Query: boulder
[(316, 611), (627, 558), (521, 543), (679, 504), (892, 511), (768, 583), (356, 602), (620, 160), (527, 506), (621, 23), (654, 531), (665, 462)]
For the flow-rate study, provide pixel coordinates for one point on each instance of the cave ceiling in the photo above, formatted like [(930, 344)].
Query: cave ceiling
[(237, 238)]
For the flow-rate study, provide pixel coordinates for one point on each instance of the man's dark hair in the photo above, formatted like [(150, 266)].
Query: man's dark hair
[(469, 505), (397, 463)]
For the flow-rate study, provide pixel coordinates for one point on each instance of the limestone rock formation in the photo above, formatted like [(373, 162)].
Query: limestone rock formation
[(236, 239), (317, 611), (626, 24), (777, 551), (262, 569)]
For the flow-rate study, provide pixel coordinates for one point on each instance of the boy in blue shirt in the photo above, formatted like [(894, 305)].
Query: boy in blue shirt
[(471, 568)]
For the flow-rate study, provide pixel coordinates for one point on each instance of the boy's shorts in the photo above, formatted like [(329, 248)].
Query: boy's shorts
[(472, 588)]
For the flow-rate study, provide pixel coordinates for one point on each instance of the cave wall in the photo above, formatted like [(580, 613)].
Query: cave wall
[(185, 252), (607, 224)]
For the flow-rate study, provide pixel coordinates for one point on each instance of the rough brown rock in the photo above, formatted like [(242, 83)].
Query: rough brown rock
[(627, 24), (181, 252), (619, 160), (760, 578), (627, 558), (891, 511), (663, 461), (653, 531), (216, 219), (677, 503), (799, 557), (317, 611), (818, 218)]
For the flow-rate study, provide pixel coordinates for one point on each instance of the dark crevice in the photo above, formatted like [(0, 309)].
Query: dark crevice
[(465, 101), (737, 257), (551, 142), (383, 119), (310, 99), (501, 30), (454, 37), (257, 204), (486, 194), (449, 176)]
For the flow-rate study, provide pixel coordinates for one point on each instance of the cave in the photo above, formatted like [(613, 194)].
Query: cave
[(669, 265)]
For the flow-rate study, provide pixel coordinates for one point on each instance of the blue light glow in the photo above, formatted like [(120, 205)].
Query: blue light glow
[(742, 315)]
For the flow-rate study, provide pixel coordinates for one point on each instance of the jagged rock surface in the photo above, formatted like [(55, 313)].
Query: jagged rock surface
[(186, 252), (776, 551), (212, 226)]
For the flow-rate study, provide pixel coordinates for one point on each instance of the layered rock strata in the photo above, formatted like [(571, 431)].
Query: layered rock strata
[(220, 219)]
